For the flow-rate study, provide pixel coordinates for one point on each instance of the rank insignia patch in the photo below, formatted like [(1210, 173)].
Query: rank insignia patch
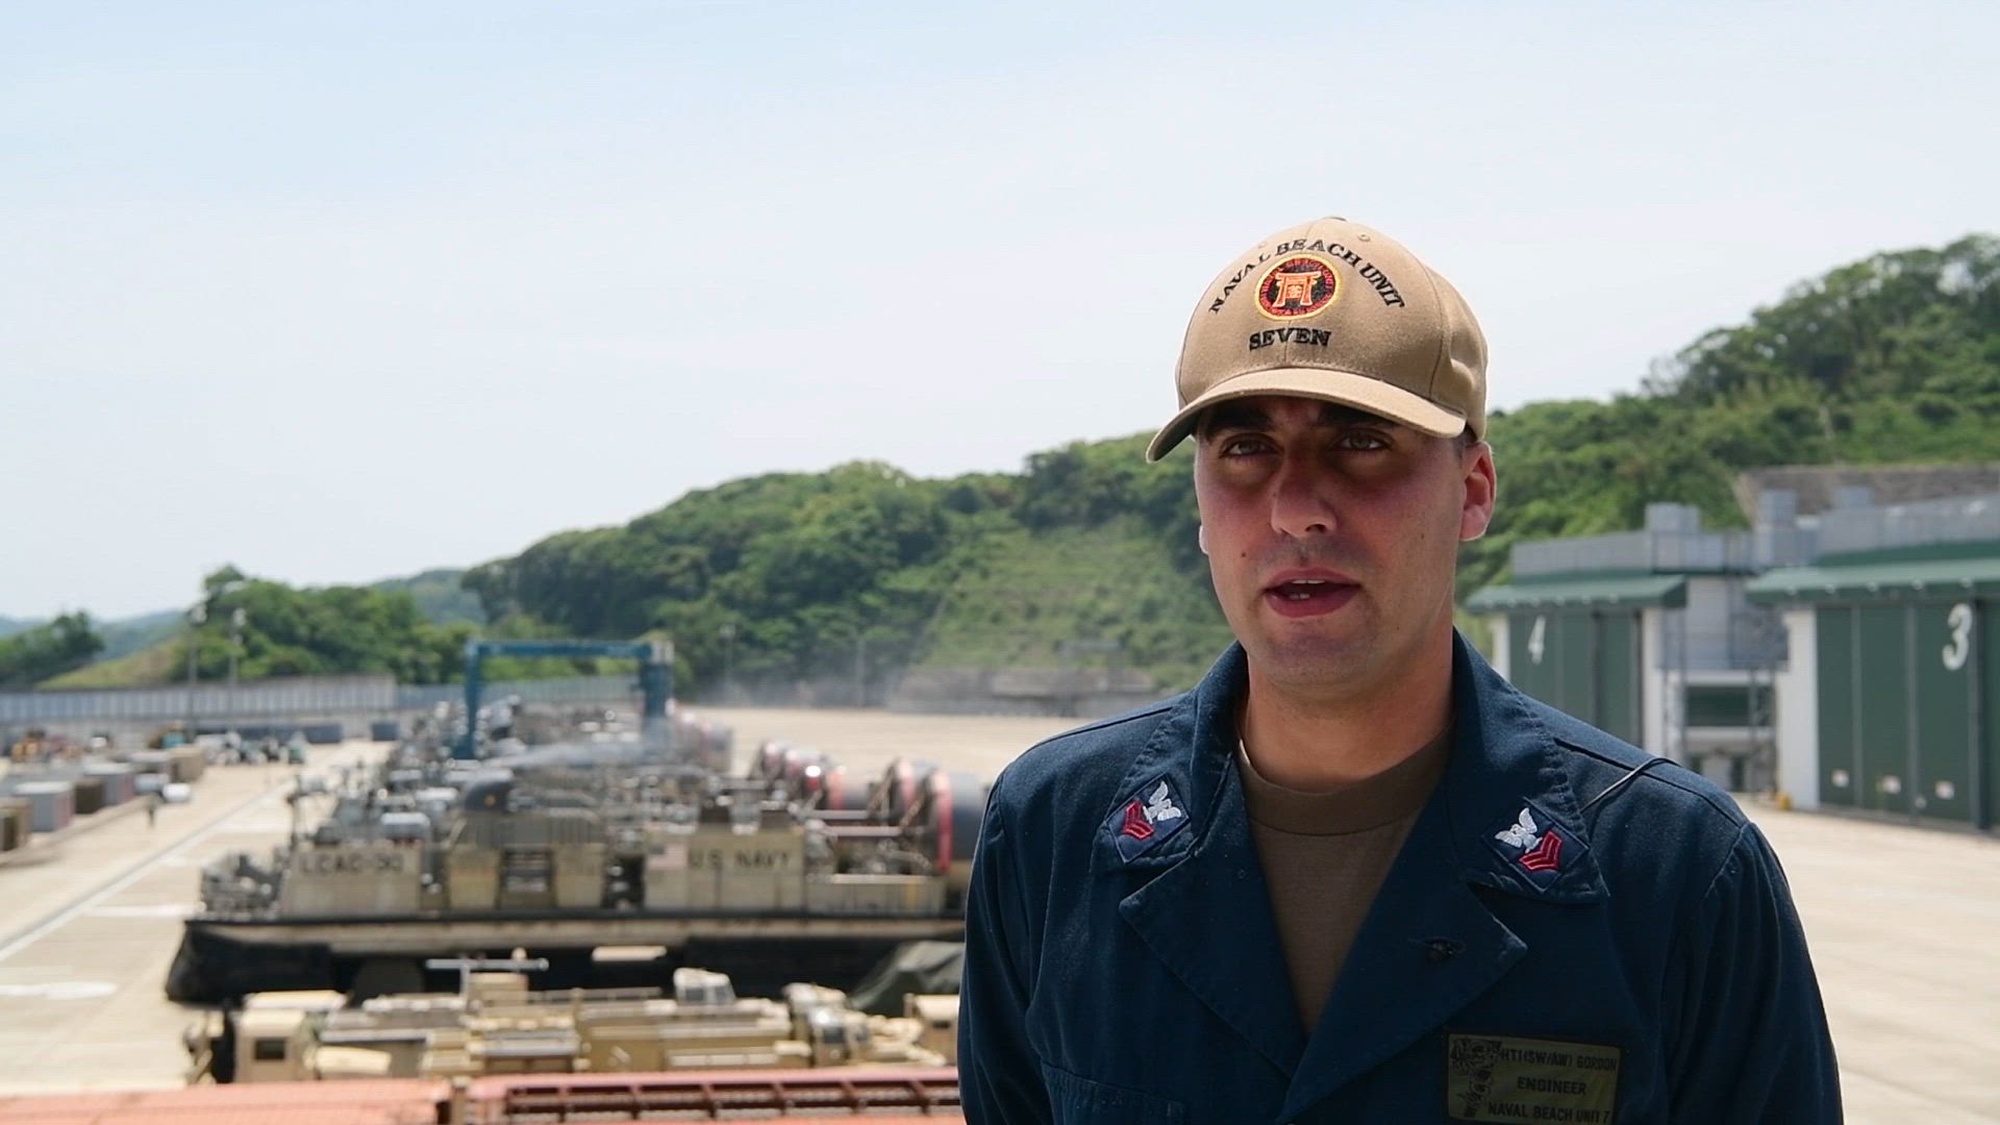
[(1296, 286), (1536, 847), (1147, 818)]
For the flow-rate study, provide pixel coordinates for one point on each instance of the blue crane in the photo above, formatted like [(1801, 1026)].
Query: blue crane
[(656, 681)]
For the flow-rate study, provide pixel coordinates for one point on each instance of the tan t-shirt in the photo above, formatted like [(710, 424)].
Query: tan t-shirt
[(1325, 856)]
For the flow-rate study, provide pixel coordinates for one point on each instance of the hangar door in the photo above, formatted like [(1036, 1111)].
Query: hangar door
[(1583, 661), (1902, 690)]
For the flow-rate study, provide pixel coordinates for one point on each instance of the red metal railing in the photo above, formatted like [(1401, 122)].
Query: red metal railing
[(798, 1097), (717, 1095)]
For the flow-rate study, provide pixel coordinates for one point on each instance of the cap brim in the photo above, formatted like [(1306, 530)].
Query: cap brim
[(1342, 387)]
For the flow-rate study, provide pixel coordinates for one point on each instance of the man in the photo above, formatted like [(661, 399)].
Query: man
[(1353, 876)]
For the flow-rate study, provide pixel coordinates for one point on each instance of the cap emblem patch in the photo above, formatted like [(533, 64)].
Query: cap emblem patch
[(1147, 818), (1296, 286)]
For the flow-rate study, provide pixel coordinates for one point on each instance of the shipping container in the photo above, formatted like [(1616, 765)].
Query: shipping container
[(120, 780), (186, 763), (89, 795), (51, 804), (14, 818)]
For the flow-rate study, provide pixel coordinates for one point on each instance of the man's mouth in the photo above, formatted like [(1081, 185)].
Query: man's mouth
[(1305, 589), (1305, 596)]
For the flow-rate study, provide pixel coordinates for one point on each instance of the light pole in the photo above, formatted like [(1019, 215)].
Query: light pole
[(236, 621), (196, 616), (728, 633), (860, 668)]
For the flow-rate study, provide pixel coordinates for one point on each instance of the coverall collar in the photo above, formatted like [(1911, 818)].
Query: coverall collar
[(1502, 759), (1421, 953)]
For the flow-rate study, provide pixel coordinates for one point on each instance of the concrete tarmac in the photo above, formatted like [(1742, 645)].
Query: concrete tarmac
[(87, 933), (1902, 922)]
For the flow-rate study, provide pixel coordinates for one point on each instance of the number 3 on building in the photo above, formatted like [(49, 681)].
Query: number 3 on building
[(1959, 621), (1536, 638)]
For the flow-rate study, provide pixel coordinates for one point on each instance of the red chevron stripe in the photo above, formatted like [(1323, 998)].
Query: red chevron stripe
[(1545, 856), (1136, 824)]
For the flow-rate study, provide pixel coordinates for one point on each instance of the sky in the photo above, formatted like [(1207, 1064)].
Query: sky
[(339, 292)]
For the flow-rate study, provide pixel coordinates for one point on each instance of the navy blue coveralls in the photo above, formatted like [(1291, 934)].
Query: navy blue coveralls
[(1556, 906)]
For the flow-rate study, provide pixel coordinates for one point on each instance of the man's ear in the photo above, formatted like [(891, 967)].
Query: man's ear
[(1480, 489), (1201, 537)]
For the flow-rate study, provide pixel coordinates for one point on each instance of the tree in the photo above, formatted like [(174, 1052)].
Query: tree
[(333, 630), (46, 651)]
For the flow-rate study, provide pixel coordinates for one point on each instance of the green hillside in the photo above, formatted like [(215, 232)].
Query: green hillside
[(152, 648), (1895, 358), (135, 651), (1031, 593), (788, 577), (163, 662), (129, 635), (44, 651), (439, 596), (331, 630)]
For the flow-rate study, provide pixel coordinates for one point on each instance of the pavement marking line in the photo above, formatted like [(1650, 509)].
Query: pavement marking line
[(156, 910), (61, 990), (70, 913)]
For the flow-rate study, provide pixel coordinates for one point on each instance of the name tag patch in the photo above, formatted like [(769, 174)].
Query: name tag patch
[(1515, 1080)]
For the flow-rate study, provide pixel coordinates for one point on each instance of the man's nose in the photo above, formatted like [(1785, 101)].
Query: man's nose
[(1301, 500)]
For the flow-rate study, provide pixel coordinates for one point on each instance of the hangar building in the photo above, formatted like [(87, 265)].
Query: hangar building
[(1840, 657)]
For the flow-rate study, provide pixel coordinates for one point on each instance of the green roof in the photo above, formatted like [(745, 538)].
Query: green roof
[(1877, 581), (1669, 590)]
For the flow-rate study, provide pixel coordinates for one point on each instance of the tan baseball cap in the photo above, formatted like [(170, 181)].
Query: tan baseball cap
[(1336, 311)]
